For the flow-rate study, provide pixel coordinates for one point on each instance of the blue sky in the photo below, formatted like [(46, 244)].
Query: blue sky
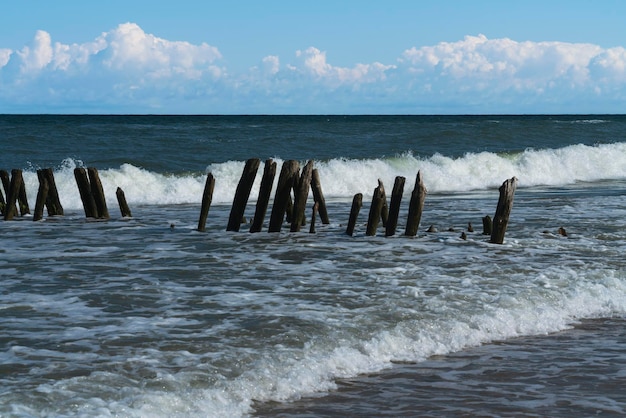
[(346, 57)]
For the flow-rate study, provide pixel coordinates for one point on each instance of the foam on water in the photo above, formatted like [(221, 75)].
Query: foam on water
[(342, 178)]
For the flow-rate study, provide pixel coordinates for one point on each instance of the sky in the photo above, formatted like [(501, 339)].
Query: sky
[(322, 57)]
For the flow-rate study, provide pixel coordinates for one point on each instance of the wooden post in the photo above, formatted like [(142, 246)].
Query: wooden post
[(265, 191), (300, 197), (3, 202), (394, 208), (487, 225), (357, 202), (316, 206), (375, 209), (288, 175), (12, 194), (207, 198), (53, 204), (242, 194), (121, 201), (21, 197), (318, 196), (505, 204), (416, 207), (84, 189), (98, 193), (384, 210), (42, 196), (6, 184)]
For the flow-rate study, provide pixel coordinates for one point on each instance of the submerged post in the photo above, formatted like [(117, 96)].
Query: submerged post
[(265, 191), (300, 196), (12, 194), (357, 202), (288, 175), (42, 195), (121, 201), (374, 217), (394, 207), (416, 207), (207, 198), (242, 194), (505, 204), (84, 189), (53, 204), (318, 196), (21, 196), (98, 193), (316, 206), (487, 225)]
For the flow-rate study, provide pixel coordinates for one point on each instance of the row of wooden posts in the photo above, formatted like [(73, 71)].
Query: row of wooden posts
[(291, 180)]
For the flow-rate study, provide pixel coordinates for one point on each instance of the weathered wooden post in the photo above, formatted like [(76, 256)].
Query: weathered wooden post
[(84, 189), (505, 204), (416, 207), (3, 202), (12, 194), (378, 200), (394, 207), (42, 196), (316, 206), (487, 225), (21, 196), (288, 175), (98, 193), (121, 201), (300, 197), (265, 191), (384, 210), (207, 198), (6, 184), (357, 202), (318, 196), (53, 204), (242, 194)]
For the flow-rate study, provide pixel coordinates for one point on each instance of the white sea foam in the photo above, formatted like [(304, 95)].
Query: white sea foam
[(342, 178)]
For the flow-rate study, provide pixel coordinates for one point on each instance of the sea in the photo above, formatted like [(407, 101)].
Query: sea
[(146, 316)]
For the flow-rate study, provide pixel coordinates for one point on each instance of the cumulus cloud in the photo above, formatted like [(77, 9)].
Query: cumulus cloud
[(127, 69), (313, 61)]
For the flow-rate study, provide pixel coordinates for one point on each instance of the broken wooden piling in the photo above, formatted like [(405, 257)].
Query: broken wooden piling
[(265, 192), (487, 225), (242, 193), (207, 198), (86, 196), (42, 196), (288, 175), (378, 201), (357, 202), (121, 201), (318, 196), (22, 200), (300, 196), (503, 210), (53, 204), (416, 207), (98, 193), (394, 206), (316, 206), (12, 194)]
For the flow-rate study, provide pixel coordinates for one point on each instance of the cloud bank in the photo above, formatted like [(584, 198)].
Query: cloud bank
[(126, 70)]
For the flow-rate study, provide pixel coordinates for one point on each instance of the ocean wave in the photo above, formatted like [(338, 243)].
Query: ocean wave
[(341, 178)]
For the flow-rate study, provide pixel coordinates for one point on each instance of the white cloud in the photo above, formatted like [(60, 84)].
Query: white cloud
[(127, 68), (313, 61), (5, 56)]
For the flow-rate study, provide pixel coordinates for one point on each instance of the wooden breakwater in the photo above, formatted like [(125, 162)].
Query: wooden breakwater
[(289, 205)]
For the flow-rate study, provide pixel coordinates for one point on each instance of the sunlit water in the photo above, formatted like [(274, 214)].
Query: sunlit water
[(146, 316)]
